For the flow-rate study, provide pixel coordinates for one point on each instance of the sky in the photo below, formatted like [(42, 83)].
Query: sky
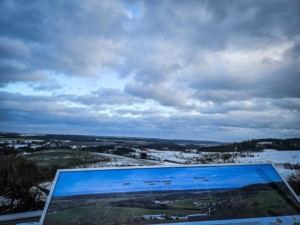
[(200, 70), (195, 178)]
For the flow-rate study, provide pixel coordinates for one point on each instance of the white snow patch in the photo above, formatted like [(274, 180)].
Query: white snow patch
[(274, 156), (278, 158), (6, 201), (46, 185)]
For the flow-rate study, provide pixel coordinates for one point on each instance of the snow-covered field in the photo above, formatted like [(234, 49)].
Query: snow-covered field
[(270, 155), (276, 157), (167, 158)]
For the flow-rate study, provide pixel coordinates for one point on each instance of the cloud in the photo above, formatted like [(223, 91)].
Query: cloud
[(139, 112), (47, 87), (181, 69), (70, 39), (294, 51), (17, 97), (108, 96), (211, 55), (164, 95), (49, 113)]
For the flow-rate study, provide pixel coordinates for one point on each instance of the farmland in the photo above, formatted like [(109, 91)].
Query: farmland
[(66, 158)]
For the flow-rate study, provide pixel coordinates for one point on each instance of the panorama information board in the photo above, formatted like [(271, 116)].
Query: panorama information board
[(251, 194)]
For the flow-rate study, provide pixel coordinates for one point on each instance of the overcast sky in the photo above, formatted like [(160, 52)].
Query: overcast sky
[(204, 70)]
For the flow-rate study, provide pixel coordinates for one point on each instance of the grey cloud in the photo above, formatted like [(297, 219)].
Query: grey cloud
[(252, 105), (294, 51), (281, 83), (108, 96), (67, 38), (41, 21), (164, 95), (287, 103), (17, 97), (9, 74), (47, 87), (13, 48), (256, 18), (16, 107), (79, 56), (139, 112), (194, 126), (220, 96), (240, 119), (80, 39), (33, 107), (202, 27), (224, 108), (211, 23), (14, 56), (46, 119)]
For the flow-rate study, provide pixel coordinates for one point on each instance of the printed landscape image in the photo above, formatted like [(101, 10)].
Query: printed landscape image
[(169, 195)]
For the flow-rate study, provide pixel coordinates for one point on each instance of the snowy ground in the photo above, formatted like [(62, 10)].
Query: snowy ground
[(276, 157), (175, 158), (117, 161), (270, 155), (267, 156)]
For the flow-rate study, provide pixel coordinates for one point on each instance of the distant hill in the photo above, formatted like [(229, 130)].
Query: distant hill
[(92, 138), (257, 145), (202, 145)]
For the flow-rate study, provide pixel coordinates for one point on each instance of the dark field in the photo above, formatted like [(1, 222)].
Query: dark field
[(66, 158)]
